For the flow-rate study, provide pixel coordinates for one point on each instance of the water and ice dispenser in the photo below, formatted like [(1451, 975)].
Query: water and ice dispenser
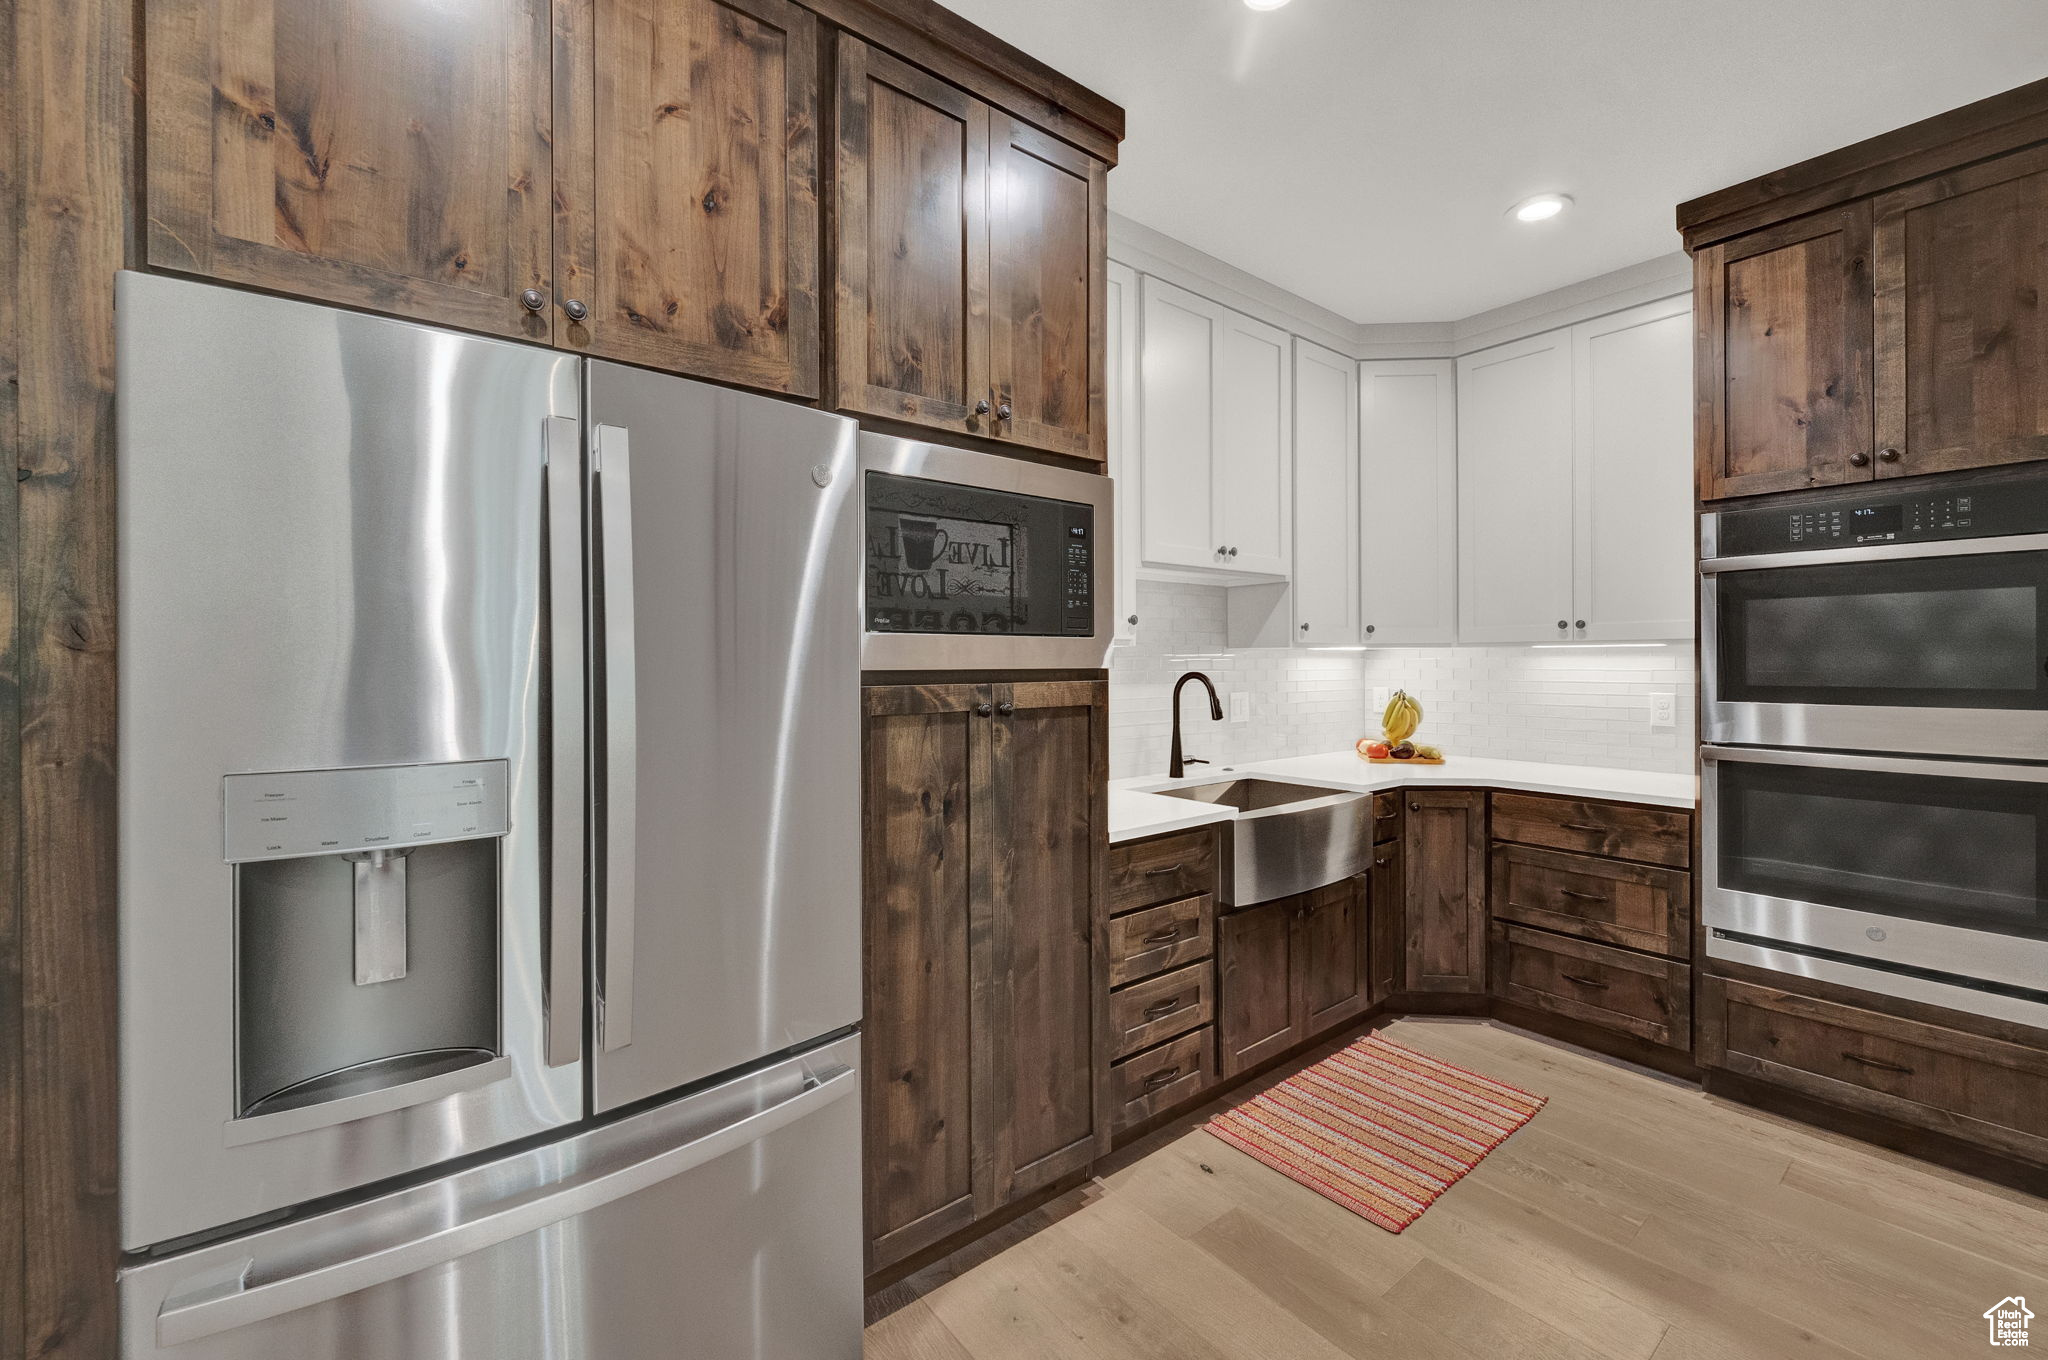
[(367, 917)]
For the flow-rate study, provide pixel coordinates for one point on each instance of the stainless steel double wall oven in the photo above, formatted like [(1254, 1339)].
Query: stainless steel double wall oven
[(1875, 706)]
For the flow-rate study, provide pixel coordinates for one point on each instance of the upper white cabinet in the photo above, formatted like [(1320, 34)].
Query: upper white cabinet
[(1632, 470), (1408, 507), (1214, 469), (1515, 492), (1120, 355), (1574, 465), (1325, 588)]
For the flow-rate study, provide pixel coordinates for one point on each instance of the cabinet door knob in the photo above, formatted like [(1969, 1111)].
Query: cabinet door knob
[(1415, 807), (1304, 628), (575, 309), (1006, 708), (1222, 551), (1580, 624), (1382, 862), (1859, 459), (981, 408), (1888, 455), (533, 299), (982, 710), (1003, 411), (1368, 628), (1132, 620), (1233, 552), (1562, 624)]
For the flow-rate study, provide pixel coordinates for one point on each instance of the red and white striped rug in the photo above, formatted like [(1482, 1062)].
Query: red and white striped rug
[(1379, 1128)]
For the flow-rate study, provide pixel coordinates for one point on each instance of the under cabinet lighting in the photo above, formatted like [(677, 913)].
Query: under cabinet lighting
[(1591, 646), (1540, 208), (1338, 649), (1264, 4)]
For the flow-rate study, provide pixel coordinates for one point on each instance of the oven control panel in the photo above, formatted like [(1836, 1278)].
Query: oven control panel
[(1869, 518)]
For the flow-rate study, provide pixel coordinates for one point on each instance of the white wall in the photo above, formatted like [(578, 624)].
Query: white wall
[(1577, 705)]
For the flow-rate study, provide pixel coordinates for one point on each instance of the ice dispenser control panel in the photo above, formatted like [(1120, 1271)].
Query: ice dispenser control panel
[(329, 812)]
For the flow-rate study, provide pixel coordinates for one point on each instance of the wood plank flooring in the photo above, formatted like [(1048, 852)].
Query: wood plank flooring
[(1634, 1219)]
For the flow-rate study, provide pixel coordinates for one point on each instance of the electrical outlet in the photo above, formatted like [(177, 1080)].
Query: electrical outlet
[(1240, 706), (1663, 711), (1380, 695)]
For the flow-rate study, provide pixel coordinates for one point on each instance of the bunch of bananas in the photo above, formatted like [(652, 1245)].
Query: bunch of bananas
[(1402, 717)]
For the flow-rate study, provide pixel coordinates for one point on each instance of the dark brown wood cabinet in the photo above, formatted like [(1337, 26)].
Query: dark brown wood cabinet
[(1289, 970), (686, 142), (387, 155), (986, 950), (1444, 868), (970, 258), (1386, 919), (1782, 357)]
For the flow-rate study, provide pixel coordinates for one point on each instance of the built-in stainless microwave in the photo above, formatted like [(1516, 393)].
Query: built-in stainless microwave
[(1908, 618), (1917, 878), (976, 561)]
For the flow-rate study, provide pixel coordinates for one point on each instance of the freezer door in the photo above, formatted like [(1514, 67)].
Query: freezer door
[(725, 1225), (726, 743)]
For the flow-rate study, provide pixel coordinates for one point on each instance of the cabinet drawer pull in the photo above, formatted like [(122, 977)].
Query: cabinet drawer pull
[(1382, 862), (1164, 935), (1162, 1077), (1159, 1010), (1595, 983), (1581, 896), (1386, 816), (1172, 868), (1879, 1063), (1584, 826)]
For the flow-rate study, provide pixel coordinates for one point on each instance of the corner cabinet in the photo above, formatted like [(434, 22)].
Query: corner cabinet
[(985, 950), (390, 156), (970, 251), (1217, 437), (1326, 570), (1443, 862), (1408, 501), (1515, 491)]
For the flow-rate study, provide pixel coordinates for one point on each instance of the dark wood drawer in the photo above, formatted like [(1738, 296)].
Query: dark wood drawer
[(1146, 873), (1161, 1078), (1971, 1086), (1617, 830), (1599, 899), (1155, 939), (1386, 817), (1146, 1013), (1617, 989)]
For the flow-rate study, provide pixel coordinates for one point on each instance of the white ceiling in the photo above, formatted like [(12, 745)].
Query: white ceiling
[(1363, 153)]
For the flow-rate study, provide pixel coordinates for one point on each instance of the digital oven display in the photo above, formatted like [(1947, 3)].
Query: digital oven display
[(947, 558), (1876, 521)]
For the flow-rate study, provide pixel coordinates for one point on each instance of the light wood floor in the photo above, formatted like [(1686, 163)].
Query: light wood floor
[(1633, 1219)]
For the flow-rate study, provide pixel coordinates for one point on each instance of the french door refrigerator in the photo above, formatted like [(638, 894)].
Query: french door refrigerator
[(489, 848)]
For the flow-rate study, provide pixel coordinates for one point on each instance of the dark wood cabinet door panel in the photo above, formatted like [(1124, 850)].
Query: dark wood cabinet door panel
[(1145, 873), (386, 154), (1331, 955), (1618, 989), (1048, 231), (1386, 816), (1145, 1013), (1598, 899), (1156, 939), (1386, 921), (1161, 1078), (1986, 1090), (1256, 1015), (910, 203), (1783, 357), (1445, 867), (1962, 329), (1038, 835), (918, 792), (687, 163), (1613, 830)]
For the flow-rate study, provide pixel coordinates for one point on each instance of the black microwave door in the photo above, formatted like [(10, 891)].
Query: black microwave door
[(944, 557), (1964, 852), (1962, 632)]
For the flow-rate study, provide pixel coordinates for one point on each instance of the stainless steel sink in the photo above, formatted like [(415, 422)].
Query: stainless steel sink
[(1286, 838)]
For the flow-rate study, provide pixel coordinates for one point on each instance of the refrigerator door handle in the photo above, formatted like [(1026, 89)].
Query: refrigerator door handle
[(563, 998), (224, 1299), (612, 465)]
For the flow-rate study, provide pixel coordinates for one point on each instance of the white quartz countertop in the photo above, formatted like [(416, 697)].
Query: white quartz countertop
[(1137, 810)]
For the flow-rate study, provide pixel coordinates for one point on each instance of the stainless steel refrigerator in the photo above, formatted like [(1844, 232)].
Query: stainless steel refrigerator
[(489, 849)]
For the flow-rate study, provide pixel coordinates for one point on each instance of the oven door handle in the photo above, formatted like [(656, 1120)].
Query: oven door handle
[(1936, 768), (1878, 552)]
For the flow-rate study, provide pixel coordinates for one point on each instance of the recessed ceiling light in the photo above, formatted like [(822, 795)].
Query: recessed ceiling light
[(1541, 208), (1264, 4)]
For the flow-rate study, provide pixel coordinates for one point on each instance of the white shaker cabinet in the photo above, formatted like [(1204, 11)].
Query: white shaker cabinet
[(1121, 362), (1214, 465), (1408, 507), (1325, 587), (1515, 500), (1632, 470)]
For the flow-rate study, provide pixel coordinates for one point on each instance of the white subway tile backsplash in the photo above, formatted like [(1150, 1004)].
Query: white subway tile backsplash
[(1588, 707)]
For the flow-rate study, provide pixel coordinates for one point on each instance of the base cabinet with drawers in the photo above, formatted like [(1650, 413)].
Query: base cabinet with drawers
[(1162, 998), (1592, 914)]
